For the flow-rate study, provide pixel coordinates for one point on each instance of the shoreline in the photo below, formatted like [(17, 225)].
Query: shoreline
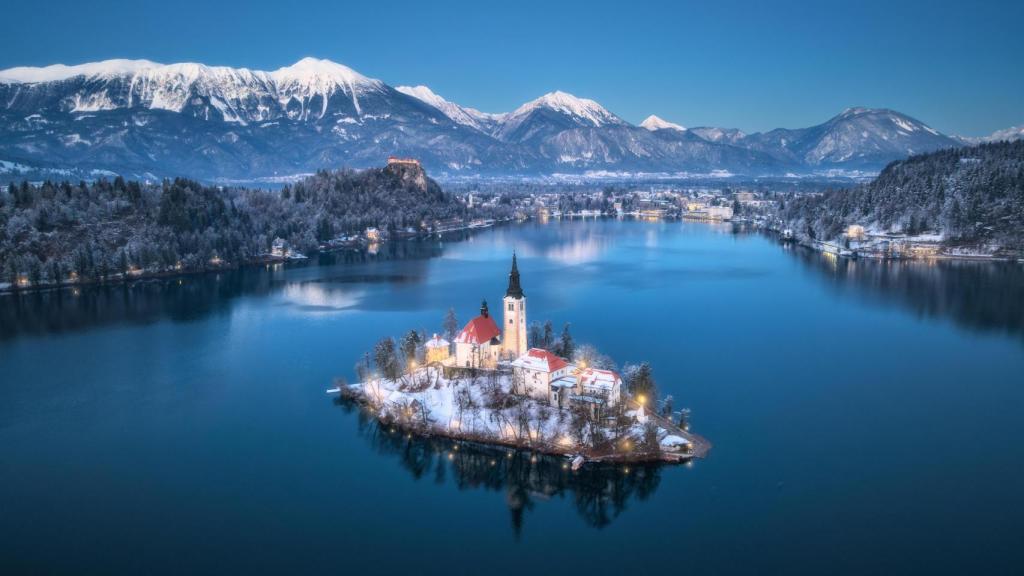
[(120, 280), (611, 451)]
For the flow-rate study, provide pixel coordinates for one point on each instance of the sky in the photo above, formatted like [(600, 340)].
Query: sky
[(958, 66)]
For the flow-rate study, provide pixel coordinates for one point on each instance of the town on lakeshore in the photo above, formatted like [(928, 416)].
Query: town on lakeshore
[(505, 386)]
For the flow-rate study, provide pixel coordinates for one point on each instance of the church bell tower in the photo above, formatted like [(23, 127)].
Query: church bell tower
[(513, 341)]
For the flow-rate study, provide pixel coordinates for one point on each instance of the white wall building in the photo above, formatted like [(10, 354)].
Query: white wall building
[(534, 372)]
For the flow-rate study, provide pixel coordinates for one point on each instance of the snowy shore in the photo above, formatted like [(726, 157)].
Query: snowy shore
[(481, 407)]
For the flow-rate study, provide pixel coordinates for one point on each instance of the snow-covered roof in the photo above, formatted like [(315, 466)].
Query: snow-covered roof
[(479, 330), (437, 342), (567, 381), (540, 360), (597, 378), (673, 440)]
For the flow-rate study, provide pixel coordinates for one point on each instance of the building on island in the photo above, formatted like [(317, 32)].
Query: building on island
[(479, 343), (437, 349), (599, 387), (537, 373), (534, 372)]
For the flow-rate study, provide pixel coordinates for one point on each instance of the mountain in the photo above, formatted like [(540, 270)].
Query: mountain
[(483, 121), (149, 120), (1007, 134), (724, 135), (653, 123), (856, 138), (145, 119)]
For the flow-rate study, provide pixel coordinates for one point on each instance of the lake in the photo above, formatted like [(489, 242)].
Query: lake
[(866, 416)]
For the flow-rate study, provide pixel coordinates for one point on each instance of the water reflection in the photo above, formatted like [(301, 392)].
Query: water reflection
[(598, 493), (984, 296), (325, 283)]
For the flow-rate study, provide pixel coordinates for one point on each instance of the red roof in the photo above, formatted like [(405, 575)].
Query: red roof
[(553, 362), (479, 330)]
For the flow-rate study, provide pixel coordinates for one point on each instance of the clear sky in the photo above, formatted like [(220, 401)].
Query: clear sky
[(958, 66)]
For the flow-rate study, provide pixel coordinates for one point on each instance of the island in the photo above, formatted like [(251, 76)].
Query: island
[(490, 386)]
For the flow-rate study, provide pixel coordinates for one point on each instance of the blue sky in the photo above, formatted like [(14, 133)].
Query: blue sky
[(958, 66)]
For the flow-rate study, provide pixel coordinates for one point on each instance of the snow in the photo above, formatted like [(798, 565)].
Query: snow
[(459, 114), (170, 86), (427, 390), (673, 441), (56, 72), (903, 124), (653, 123), (582, 109)]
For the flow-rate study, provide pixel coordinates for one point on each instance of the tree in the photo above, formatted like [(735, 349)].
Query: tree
[(640, 382), (548, 341), (566, 347), (588, 355), (410, 342), (450, 325), (535, 336), (363, 368), (385, 358)]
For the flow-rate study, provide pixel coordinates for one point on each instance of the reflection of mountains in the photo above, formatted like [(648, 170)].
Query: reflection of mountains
[(194, 297), (599, 493), (985, 296)]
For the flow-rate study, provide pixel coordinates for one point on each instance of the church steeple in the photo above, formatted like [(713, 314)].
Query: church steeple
[(483, 309), (514, 289), (513, 341)]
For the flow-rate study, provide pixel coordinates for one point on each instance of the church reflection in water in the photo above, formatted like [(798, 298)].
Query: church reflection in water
[(599, 493)]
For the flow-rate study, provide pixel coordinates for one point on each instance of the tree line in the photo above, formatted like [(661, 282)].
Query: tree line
[(971, 195), (55, 232)]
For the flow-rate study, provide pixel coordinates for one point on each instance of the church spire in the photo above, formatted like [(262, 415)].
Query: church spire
[(514, 289)]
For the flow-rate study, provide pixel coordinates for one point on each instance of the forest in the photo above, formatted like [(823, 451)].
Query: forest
[(970, 195), (52, 233)]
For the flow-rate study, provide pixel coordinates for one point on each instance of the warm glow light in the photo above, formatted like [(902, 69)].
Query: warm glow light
[(641, 399)]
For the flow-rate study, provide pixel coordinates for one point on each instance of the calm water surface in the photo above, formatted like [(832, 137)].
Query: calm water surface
[(866, 417)]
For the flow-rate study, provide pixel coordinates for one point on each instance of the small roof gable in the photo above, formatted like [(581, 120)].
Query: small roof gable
[(479, 330), (540, 360)]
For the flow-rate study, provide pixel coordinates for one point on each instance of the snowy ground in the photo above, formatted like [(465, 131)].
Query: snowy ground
[(481, 408)]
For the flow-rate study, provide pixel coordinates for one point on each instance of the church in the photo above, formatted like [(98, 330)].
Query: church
[(537, 373), (482, 344)]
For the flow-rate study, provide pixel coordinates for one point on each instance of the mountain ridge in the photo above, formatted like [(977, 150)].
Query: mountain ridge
[(142, 118)]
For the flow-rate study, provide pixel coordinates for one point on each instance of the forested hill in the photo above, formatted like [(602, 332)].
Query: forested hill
[(54, 231), (969, 195)]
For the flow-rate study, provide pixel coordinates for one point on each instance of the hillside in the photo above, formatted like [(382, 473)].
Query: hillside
[(969, 196), (52, 231)]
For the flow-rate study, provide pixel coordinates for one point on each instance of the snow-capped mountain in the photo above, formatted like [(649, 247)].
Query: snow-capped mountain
[(552, 113), (142, 118), (653, 123), (856, 138), (1006, 134), (483, 121)]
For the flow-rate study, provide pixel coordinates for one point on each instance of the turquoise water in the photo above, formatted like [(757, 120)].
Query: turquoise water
[(866, 417)]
